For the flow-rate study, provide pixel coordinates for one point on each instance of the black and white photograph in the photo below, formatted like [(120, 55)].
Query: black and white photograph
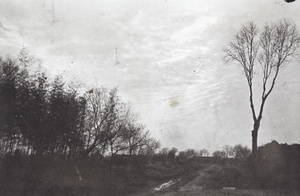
[(149, 97)]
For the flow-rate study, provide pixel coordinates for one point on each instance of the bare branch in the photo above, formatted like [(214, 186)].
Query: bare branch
[(243, 48)]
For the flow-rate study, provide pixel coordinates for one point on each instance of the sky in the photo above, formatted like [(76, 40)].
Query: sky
[(166, 58)]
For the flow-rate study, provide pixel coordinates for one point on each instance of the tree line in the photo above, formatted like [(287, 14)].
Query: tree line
[(238, 151), (39, 116)]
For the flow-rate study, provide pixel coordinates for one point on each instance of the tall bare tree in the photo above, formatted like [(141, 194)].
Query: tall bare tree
[(134, 136), (95, 135), (270, 49)]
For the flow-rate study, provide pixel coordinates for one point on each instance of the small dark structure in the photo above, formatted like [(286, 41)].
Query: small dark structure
[(289, 1)]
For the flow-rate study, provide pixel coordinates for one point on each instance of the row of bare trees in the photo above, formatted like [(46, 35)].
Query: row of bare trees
[(112, 126), (238, 151), (51, 118)]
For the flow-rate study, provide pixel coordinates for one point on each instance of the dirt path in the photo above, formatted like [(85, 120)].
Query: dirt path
[(198, 187), (200, 181), (186, 188)]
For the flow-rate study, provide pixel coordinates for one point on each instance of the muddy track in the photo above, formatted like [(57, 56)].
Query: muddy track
[(200, 181)]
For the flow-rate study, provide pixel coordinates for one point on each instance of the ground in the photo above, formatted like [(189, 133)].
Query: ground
[(139, 176), (202, 184)]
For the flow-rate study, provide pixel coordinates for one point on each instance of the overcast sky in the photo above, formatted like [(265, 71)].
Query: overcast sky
[(166, 58)]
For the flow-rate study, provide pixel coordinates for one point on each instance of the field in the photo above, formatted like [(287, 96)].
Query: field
[(139, 176)]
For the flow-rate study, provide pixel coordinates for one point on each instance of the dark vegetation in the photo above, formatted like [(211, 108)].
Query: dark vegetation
[(39, 117), (278, 166), (50, 131)]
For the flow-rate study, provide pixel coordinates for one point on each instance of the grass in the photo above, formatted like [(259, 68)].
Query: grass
[(133, 176)]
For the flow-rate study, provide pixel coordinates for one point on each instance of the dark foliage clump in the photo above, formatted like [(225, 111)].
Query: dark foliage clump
[(278, 165), (55, 140)]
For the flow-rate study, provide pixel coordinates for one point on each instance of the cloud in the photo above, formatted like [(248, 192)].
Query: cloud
[(168, 52)]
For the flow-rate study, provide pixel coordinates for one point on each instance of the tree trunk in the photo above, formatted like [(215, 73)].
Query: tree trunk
[(254, 137), (254, 141)]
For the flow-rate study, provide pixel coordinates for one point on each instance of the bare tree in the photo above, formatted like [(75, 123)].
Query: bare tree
[(203, 153), (150, 148), (228, 151), (133, 133), (111, 125), (95, 135), (271, 49), (219, 154), (241, 152)]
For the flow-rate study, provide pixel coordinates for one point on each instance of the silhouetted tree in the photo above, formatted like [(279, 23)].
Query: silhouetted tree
[(33, 111), (190, 153), (228, 150), (50, 118), (38, 117), (275, 45), (133, 134), (115, 122), (241, 152), (95, 136), (219, 154), (164, 151), (150, 148), (8, 79), (134, 137), (203, 153), (172, 153), (64, 116)]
